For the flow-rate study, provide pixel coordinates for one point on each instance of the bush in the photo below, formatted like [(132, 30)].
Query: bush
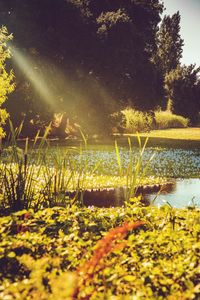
[(136, 121), (130, 120), (166, 119)]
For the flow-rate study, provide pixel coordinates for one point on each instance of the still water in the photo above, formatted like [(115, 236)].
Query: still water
[(180, 194), (184, 193)]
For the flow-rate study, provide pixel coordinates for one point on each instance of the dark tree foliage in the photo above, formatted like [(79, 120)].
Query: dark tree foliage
[(169, 43), (103, 50), (181, 83), (183, 88), (169, 48)]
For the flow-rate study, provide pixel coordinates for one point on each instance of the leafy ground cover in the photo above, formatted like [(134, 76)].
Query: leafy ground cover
[(55, 253)]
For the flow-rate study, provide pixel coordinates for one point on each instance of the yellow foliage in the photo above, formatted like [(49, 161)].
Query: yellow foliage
[(6, 78)]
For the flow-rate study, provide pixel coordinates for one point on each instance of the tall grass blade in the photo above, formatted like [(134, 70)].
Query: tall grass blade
[(118, 158)]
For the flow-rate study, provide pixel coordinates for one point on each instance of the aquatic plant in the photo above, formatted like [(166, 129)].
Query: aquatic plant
[(35, 177), (135, 170), (27, 178), (19, 174)]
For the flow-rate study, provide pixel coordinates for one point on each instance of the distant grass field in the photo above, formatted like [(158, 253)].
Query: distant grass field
[(180, 137), (179, 133)]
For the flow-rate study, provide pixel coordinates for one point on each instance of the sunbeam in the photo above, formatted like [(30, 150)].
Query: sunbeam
[(62, 94), (28, 67)]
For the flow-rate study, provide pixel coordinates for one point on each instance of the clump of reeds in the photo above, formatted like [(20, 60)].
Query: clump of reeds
[(135, 170), (20, 173), (32, 179)]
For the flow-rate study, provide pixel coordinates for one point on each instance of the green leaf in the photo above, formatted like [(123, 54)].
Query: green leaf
[(129, 278), (11, 254)]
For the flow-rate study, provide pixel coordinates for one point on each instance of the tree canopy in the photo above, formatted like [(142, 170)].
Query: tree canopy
[(183, 88), (169, 43)]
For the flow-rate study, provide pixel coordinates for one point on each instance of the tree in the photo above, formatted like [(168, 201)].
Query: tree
[(127, 32), (6, 78), (169, 44), (183, 88), (103, 49)]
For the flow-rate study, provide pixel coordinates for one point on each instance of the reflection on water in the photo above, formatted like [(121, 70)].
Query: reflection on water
[(179, 193), (185, 192)]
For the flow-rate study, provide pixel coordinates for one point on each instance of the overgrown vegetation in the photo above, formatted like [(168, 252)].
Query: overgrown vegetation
[(32, 179), (36, 177), (80, 253), (135, 171)]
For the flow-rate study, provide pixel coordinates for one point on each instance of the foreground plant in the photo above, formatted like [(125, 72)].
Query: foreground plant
[(114, 240)]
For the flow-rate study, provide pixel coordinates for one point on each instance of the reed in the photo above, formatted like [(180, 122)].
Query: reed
[(36, 177), (135, 171)]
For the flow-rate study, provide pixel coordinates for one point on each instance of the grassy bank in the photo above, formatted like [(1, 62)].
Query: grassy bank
[(188, 134), (69, 254), (179, 137)]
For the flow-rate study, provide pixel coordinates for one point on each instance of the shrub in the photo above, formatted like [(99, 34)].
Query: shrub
[(130, 120), (136, 121), (166, 119)]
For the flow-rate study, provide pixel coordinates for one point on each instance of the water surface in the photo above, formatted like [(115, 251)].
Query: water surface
[(184, 193), (167, 162)]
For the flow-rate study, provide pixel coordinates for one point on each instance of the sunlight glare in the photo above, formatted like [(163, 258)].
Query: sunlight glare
[(28, 67)]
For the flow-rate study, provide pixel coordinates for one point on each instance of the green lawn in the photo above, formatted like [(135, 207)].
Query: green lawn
[(175, 133), (179, 133), (180, 137)]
